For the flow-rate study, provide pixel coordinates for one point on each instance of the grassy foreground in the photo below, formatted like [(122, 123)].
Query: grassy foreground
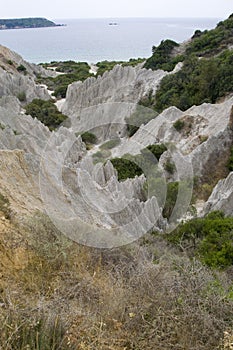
[(55, 294)]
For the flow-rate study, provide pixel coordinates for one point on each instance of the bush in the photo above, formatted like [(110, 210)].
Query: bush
[(161, 56), (73, 71), (101, 156), (22, 96), (46, 112), (60, 92), (21, 68), (89, 138), (110, 144), (157, 150), (140, 116), (126, 168), (171, 197), (104, 66), (169, 167), (179, 124), (230, 161), (209, 238)]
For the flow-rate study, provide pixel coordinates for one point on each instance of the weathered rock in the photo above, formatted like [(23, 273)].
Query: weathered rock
[(16, 83), (221, 197), (204, 140), (19, 182), (10, 61), (102, 104)]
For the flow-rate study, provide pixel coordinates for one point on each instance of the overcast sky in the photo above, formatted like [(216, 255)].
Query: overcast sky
[(53, 9)]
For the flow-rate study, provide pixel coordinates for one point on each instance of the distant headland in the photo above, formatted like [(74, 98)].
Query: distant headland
[(20, 23)]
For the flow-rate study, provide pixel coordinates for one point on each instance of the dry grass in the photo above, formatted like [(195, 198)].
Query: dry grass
[(64, 296)]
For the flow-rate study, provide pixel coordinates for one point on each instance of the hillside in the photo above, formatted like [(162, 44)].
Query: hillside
[(206, 74), (20, 23), (116, 201)]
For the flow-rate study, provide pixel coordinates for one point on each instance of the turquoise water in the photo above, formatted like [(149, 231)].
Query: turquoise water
[(94, 40)]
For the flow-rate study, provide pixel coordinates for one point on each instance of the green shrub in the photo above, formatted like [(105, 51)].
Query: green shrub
[(101, 156), (156, 187), (209, 238), (161, 56), (21, 68), (104, 66), (140, 116), (230, 161), (60, 92), (46, 112), (169, 167), (110, 144), (73, 71), (126, 168), (171, 197), (89, 138), (22, 96), (157, 150), (211, 42), (179, 124)]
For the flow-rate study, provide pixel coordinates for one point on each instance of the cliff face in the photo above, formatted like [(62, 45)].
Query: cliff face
[(221, 197), (109, 99)]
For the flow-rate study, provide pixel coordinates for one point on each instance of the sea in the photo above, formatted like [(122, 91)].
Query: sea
[(94, 40)]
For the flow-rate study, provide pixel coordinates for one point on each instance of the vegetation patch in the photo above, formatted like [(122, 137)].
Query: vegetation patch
[(139, 117), (104, 66), (72, 71), (110, 144), (46, 112), (157, 149), (126, 168), (203, 78), (145, 163), (211, 42), (209, 238), (162, 56), (56, 303), (22, 96), (89, 138), (22, 69), (230, 161), (179, 124), (101, 156), (170, 167)]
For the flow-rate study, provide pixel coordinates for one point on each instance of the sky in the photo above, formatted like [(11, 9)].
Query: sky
[(58, 9)]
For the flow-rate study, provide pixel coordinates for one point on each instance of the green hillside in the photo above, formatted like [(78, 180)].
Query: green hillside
[(18, 23), (207, 73)]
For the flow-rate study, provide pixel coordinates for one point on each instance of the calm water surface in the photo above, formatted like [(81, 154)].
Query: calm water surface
[(94, 40)]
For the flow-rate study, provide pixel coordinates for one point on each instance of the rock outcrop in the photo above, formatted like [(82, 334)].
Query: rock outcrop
[(221, 197), (14, 82), (102, 104)]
